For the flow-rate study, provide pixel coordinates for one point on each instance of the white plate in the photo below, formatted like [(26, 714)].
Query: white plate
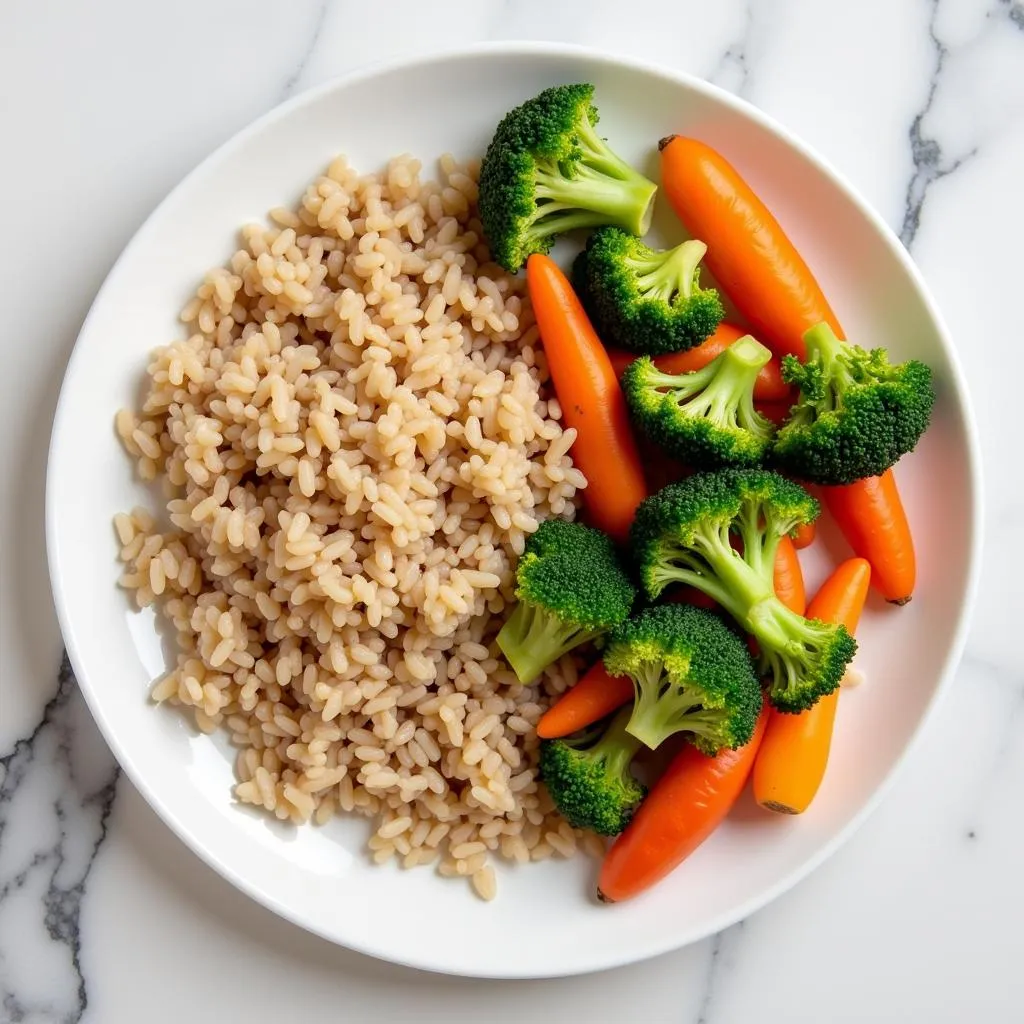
[(544, 922)]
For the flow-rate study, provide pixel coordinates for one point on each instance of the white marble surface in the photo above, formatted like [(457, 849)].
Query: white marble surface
[(104, 916)]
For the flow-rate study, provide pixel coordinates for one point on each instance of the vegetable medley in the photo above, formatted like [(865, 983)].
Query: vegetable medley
[(690, 596)]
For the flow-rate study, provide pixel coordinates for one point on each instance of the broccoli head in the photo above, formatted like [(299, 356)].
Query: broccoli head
[(589, 778), (645, 300), (571, 588), (857, 413), (685, 533), (705, 418), (692, 674), (547, 171)]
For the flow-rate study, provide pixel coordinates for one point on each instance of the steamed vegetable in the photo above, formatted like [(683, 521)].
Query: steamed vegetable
[(857, 414), (645, 300), (683, 535), (706, 418), (548, 171), (596, 694), (794, 752), (683, 808), (768, 387), (589, 777), (871, 517), (591, 400), (693, 675), (749, 254), (570, 589)]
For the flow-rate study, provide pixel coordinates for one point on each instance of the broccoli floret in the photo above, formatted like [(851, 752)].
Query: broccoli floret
[(547, 171), (589, 779), (647, 300), (857, 413), (705, 418), (571, 588), (692, 674), (684, 533)]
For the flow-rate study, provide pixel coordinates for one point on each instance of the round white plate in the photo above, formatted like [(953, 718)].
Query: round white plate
[(544, 921)]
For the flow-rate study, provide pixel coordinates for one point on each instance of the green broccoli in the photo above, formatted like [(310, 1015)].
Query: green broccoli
[(589, 779), (705, 418), (857, 413), (647, 300), (692, 674), (571, 588), (547, 171), (684, 534)]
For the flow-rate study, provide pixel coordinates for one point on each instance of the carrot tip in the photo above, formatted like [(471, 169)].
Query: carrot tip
[(604, 899), (773, 805), (900, 601), (662, 143)]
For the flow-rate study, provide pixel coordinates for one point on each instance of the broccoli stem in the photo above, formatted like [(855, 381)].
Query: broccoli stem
[(618, 746), (825, 349), (723, 390), (533, 638), (662, 275), (590, 198), (659, 711)]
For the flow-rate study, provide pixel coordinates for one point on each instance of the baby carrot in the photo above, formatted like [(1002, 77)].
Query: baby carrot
[(794, 752), (749, 254), (871, 517), (688, 802), (789, 578), (769, 386), (595, 695), (591, 400), (756, 263)]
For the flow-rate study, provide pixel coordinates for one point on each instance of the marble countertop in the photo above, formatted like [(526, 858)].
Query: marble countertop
[(104, 915)]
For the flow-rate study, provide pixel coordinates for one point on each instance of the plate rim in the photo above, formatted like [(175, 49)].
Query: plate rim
[(524, 49)]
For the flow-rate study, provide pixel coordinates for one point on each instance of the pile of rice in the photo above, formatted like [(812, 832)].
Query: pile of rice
[(355, 441)]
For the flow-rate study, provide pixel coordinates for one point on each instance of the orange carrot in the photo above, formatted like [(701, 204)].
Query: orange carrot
[(789, 578), (794, 752), (683, 808), (595, 695), (769, 386), (804, 536), (749, 254), (871, 517), (591, 400), (755, 262)]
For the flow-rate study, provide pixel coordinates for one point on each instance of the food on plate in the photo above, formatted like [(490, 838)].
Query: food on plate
[(788, 577), (595, 694), (768, 387), (794, 752), (358, 435), (871, 516), (374, 445), (589, 777), (547, 171), (571, 589), (706, 417), (857, 414), (682, 535), (590, 399), (692, 675), (644, 300), (684, 807), (804, 535), (749, 254)]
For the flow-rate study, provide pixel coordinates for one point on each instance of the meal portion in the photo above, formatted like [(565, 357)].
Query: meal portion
[(456, 548)]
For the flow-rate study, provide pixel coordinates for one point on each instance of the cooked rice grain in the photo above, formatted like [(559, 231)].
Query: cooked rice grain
[(357, 437)]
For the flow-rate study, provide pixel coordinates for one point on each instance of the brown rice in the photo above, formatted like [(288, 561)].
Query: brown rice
[(354, 440)]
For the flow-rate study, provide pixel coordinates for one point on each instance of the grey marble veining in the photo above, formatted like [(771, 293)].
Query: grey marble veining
[(90, 920)]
